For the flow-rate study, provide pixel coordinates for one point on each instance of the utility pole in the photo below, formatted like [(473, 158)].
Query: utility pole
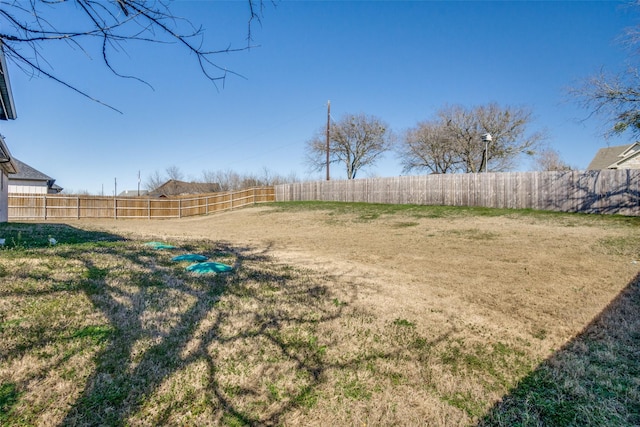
[(328, 134)]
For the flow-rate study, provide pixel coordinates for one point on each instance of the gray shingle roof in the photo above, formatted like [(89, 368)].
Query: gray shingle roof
[(10, 165), (606, 157), (26, 172), (174, 187)]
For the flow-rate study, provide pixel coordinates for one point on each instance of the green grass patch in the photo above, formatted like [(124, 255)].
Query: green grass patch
[(404, 323), (593, 380), (132, 338), (27, 235), (97, 334), (9, 396), (628, 245), (367, 212)]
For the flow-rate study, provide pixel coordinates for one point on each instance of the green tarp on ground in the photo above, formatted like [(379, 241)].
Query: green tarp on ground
[(159, 245), (209, 267), (189, 257)]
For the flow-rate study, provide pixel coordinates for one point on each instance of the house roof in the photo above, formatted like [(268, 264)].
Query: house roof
[(7, 164), (605, 157), (133, 193), (56, 188), (174, 188), (26, 172), (7, 108), (620, 163)]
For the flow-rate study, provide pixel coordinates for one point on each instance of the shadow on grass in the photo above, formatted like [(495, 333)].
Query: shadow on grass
[(244, 348), (162, 326), (37, 235), (593, 380)]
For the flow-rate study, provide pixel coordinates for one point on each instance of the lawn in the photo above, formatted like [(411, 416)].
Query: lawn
[(101, 329)]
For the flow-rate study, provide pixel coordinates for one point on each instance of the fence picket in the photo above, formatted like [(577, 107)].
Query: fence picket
[(604, 191), (58, 206)]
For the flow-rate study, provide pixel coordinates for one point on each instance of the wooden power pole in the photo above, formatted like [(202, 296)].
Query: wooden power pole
[(328, 134)]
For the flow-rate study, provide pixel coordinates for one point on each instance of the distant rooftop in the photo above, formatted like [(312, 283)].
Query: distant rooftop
[(607, 156)]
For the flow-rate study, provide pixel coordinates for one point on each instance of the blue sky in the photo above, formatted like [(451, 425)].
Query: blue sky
[(400, 61)]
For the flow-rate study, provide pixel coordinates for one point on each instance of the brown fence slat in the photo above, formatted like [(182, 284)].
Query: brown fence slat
[(605, 191), (58, 207)]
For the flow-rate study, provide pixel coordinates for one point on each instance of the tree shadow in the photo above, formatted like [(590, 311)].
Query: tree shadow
[(242, 348), (169, 347), (594, 192), (592, 380), (37, 235)]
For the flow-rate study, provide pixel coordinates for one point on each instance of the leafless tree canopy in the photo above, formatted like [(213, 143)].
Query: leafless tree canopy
[(29, 27), (154, 181), (452, 142), (356, 140), (174, 172), (226, 180), (427, 146), (549, 160), (616, 97)]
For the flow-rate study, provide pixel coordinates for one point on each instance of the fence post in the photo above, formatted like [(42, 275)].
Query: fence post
[(206, 205), (115, 208), (179, 208), (78, 205), (45, 207), (231, 200), (148, 208)]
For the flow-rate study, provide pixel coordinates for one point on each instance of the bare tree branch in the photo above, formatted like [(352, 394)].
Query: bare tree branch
[(357, 141), (452, 142), (549, 159), (615, 98), (428, 146), (35, 24)]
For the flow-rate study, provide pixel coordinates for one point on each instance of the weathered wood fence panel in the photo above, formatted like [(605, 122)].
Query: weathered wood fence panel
[(56, 206), (605, 191)]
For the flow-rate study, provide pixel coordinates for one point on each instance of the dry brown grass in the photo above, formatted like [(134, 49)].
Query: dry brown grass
[(337, 316)]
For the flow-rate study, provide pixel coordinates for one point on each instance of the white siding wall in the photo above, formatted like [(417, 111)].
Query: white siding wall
[(4, 196), (27, 187), (631, 163)]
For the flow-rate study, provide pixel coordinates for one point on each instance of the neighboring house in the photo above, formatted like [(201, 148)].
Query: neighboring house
[(7, 166), (618, 157), (176, 188), (31, 181), (7, 112), (133, 193)]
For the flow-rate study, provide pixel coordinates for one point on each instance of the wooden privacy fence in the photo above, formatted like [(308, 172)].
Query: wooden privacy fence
[(605, 191), (56, 206)]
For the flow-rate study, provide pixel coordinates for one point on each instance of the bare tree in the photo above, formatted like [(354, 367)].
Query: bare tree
[(174, 172), (453, 141), (28, 28), (209, 177), (508, 128), (228, 180), (356, 140), (549, 159), (428, 146), (616, 97), (154, 181)]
